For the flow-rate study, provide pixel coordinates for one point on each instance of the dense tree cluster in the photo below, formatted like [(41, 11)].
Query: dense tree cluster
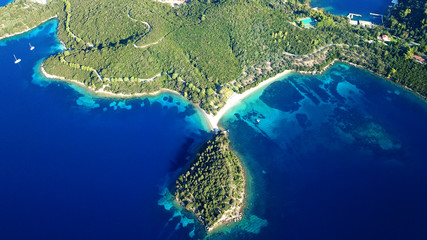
[(409, 19), (214, 183)]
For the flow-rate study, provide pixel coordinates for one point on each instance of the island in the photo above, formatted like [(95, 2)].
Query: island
[(213, 188), (209, 52)]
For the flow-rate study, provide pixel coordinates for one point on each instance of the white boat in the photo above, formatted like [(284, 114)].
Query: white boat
[(31, 47), (17, 60)]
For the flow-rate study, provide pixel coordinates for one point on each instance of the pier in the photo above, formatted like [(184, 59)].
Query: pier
[(378, 15), (351, 15), (364, 22)]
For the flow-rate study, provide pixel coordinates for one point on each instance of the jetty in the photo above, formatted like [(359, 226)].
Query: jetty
[(378, 15), (363, 23), (351, 15)]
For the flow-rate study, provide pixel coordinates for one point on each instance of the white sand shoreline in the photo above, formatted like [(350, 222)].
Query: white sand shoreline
[(105, 93), (211, 120), (102, 93), (237, 98), (27, 30)]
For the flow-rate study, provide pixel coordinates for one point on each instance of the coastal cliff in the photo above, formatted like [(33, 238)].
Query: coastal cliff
[(213, 188)]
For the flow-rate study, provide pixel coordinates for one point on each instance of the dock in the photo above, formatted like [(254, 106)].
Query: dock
[(363, 23), (351, 15), (378, 15)]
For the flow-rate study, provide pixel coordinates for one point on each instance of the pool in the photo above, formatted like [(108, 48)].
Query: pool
[(308, 22)]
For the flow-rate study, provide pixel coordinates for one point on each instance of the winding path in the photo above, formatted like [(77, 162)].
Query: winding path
[(90, 45), (318, 50), (149, 30), (150, 44), (136, 20)]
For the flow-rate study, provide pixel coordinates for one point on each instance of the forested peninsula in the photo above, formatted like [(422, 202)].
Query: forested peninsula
[(206, 50), (213, 188)]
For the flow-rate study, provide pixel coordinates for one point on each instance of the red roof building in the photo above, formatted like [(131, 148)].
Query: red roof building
[(419, 59), (385, 38)]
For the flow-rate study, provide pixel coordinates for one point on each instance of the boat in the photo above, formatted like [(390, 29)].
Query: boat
[(31, 47), (258, 120), (17, 60)]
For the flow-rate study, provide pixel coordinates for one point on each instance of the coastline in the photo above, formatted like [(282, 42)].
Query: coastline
[(236, 211), (387, 79), (237, 98), (233, 215), (365, 69), (28, 29), (228, 216), (102, 93)]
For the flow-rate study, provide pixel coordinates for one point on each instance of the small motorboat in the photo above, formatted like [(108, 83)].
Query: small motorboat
[(31, 47), (17, 60)]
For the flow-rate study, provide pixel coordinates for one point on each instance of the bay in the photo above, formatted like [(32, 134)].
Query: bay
[(333, 156)]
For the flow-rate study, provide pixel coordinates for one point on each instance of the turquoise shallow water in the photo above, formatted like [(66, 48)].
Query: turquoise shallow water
[(5, 2), (336, 156)]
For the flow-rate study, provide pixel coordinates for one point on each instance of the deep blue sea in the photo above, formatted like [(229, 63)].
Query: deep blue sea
[(73, 166), (335, 156), (344, 7)]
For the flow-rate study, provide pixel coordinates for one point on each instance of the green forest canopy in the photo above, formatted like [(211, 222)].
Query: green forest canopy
[(214, 183)]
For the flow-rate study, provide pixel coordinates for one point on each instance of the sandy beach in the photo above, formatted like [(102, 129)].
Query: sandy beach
[(212, 120), (237, 98)]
